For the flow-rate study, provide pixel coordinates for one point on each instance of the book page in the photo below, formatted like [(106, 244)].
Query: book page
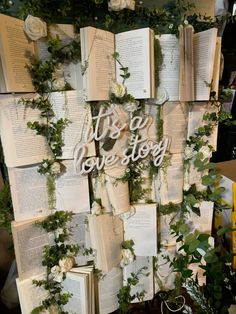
[(97, 47), (21, 146), (195, 121), (134, 48), (204, 44), (140, 226), (164, 276), (72, 190), (170, 180), (106, 232), (202, 7), (29, 193), (216, 68), (30, 296), (72, 72), (169, 71), (186, 81), (202, 223), (29, 241), (175, 125), (145, 279), (77, 285), (16, 52), (70, 105), (80, 236), (108, 288)]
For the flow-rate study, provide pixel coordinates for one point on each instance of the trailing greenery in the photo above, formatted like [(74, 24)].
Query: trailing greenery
[(58, 258), (124, 296), (6, 209)]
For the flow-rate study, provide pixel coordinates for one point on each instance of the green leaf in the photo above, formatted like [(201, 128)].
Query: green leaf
[(193, 245)]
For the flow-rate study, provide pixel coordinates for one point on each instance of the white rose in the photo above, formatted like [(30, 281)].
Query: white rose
[(96, 208), (127, 257), (66, 264), (55, 168), (117, 89), (59, 84), (116, 5), (162, 96), (130, 4), (35, 28), (56, 273), (206, 151), (189, 152), (59, 231), (131, 106)]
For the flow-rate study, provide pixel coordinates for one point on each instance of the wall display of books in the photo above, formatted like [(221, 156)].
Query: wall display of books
[(107, 136)]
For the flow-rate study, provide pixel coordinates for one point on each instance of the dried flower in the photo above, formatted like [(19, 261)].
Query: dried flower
[(117, 5), (127, 257), (56, 168)]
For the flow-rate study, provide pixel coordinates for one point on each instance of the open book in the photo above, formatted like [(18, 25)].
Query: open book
[(29, 241), (106, 232), (136, 51), (16, 50), (29, 192), (79, 282), (188, 63)]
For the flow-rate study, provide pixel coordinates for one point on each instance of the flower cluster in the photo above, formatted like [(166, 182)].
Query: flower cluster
[(64, 265), (117, 5), (128, 255)]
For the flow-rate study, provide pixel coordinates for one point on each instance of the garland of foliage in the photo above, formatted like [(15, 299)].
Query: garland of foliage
[(216, 296)]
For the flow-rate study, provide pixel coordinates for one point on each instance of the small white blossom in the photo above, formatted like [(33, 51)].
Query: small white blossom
[(56, 273), (117, 89), (59, 84), (59, 231), (185, 22), (131, 106), (189, 152), (171, 26), (35, 28), (55, 168), (186, 186), (127, 257), (96, 208), (66, 264), (45, 165), (206, 151)]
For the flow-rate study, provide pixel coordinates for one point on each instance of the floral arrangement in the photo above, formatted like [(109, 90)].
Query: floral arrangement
[(47, 76)]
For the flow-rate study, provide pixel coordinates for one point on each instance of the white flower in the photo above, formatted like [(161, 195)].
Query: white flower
[(35, 28), (186, 186), (171, 26), (117, 89), (59, 84), (117, 5), (96, 209), (130, 4), (127, 257), (66, 264), (59, 231), (162, 96), (45, 165), (189, 152), (56, 273), (206, 151), (185, 22), (55, 168), (131, 106)]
